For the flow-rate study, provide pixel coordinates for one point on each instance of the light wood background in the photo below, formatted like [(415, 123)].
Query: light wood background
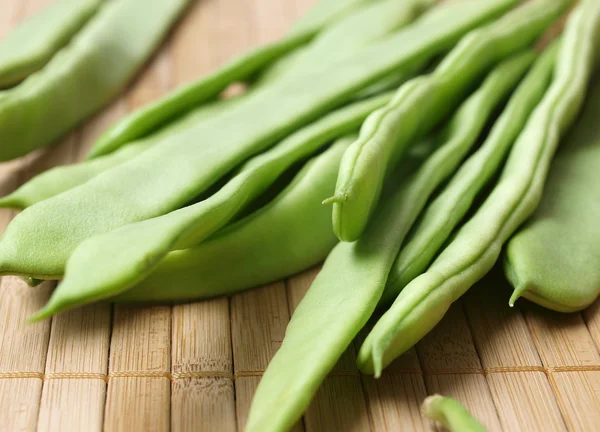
[(194, 367)]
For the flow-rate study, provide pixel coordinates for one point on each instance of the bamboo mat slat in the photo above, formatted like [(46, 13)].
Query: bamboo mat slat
[(195, 367)]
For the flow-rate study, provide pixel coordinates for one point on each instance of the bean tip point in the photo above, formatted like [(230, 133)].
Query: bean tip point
[(332, 200)]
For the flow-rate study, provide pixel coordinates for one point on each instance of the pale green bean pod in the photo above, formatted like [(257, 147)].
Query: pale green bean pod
[(32, 44), (421, 104), (85, 75), (167, 176), (451, 205), (554, 259), (477, 245)]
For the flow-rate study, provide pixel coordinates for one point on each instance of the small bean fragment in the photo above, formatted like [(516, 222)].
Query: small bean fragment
[(451, 414), (33, 43), (554, 259), (446, 211), (422, 103), (478, 243)]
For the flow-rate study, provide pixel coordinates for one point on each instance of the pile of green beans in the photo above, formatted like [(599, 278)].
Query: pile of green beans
[(38, 242), (122, 257), (430, 173), (445, 212), (477, 244), (553, 260), (76, 81), (423, 103), (391, 14), (346, 291)]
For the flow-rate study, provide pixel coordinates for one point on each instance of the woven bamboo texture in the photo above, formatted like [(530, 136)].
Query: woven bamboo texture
[(194, 367)]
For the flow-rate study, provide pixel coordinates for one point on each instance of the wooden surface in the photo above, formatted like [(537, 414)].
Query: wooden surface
[(194, 367)]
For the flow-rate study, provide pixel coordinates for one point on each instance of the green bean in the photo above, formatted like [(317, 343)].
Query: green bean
[(346, 291), (477, 244), (165, 177), (451, 414), (553, 260), (62, 178), (450, 206), (421, 104), (347, 36), (325, 12), (105, 265), (77, 81), (289, 235), (33, 43)]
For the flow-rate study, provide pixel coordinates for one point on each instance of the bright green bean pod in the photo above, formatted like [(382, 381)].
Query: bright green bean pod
[(325, 12), (289, 235), (553, 260), (346, 291), (105, 265), (451, 414), (62, 178), (421, 104), (33, 43), (477, 245), (167, 176), (85, 75), (452, 204)]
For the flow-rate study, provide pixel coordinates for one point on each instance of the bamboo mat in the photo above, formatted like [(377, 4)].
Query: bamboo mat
[(194, 367)]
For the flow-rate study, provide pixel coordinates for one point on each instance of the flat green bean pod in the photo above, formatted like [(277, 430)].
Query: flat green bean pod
[(477, 245), (350, 284), (149, 118), (553, 260), (167, 176), (289, 235), (451, 205), (33, 43), (85, 75), (422, 103), (451, 414), (62, 178), (104, 265)]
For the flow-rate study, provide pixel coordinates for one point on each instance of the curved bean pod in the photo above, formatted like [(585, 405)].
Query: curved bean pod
[(553, 260), (345, 292), (289, 235), (450, 206), (422, 103), (107, 264), (477, 245), (451, 414), (39, 240), (33, 43), (77, 79)]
